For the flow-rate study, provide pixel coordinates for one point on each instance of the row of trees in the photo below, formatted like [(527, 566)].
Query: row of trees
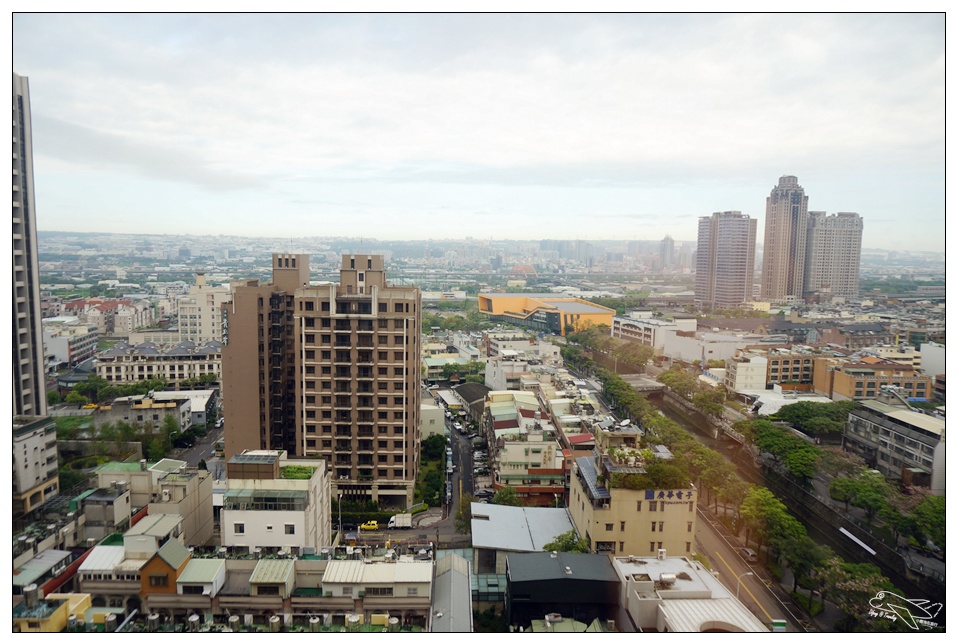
[(98, 390), (628, 352), (762, 516)]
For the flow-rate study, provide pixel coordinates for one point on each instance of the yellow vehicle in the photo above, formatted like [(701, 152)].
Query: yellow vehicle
[(369, 526)]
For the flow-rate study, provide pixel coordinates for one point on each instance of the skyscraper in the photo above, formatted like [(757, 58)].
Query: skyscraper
[(667, 252), (29, 384), (785, 234), (725, 260), (833, 257), (330, 371)]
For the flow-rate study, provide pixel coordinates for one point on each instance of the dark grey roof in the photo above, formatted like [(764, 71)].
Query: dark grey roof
[(471, 392), (537, 566)]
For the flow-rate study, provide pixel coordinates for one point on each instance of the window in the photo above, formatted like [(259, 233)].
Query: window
[(690, 524), (639, 506), (651, 546), (609, 527), (267, 589), (690, 506), (268, 528), (654, 526), (159, 581), (621, 546), (653, 506), (290, 529), (622, 526), (239, 528), (687, 546), (412, 592)]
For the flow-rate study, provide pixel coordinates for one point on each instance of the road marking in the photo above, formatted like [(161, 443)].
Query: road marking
[(718, 555)]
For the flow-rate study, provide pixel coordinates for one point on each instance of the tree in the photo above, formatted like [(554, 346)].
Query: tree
[(568, 542), (842, 489), (433, 447), (75, 398), (507, 496), (836, 462), (870, 492), (804, 556), (54, 398), (929, 516), (463, 516)]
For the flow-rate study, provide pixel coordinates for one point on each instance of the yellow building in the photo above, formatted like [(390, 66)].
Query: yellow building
[(621, 521), (545, 313), (48, 615)]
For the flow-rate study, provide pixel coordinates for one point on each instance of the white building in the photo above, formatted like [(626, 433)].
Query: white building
[(432, 418), (67, 341), (200, 312), (274, 502), (678, 595), (649, 332), (35, 467), (747, 372)]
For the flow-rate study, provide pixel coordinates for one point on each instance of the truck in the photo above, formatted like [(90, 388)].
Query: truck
[(400, 521)]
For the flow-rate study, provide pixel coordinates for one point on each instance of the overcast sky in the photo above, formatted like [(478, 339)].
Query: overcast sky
[(492, 126)]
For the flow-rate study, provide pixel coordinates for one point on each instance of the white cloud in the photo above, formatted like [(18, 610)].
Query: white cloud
[(288, 105)]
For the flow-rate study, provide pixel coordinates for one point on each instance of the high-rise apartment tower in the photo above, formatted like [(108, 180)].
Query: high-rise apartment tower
[(29, 394), (329, 371), (725, 260), (833, 259), (785, 235), (667, 252)]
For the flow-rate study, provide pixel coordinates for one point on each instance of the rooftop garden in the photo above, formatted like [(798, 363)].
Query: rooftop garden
[(297, 472)]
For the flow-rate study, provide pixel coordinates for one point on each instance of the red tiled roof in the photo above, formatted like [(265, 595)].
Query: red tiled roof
[(577, 439)]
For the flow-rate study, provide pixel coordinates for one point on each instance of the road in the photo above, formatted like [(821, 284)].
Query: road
[(752, 584)]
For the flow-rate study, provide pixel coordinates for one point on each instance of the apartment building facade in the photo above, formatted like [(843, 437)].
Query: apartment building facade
[(844, 379), (330, 372), (785, 242), (894, 439), (724, 272), (200, 313), (833, 256), (29, 394), (69, 341), (35, 464), (622, 521), (126, 364)]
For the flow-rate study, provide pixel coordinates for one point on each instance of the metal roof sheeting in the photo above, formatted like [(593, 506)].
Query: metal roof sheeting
[(201, 571), (517, 529), (273, 571)]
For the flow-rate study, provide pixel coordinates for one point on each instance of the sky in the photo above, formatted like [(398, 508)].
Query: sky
[(494, 126)]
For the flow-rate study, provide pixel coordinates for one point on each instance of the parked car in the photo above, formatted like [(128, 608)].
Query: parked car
[(748, 555), (369, 526)]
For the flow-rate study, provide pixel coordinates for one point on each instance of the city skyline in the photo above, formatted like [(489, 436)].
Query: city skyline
[(490, 126)]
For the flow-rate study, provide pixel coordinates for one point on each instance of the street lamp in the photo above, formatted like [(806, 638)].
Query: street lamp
[(739, 583)]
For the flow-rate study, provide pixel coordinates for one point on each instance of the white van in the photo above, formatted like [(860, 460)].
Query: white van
[(748, 555)]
